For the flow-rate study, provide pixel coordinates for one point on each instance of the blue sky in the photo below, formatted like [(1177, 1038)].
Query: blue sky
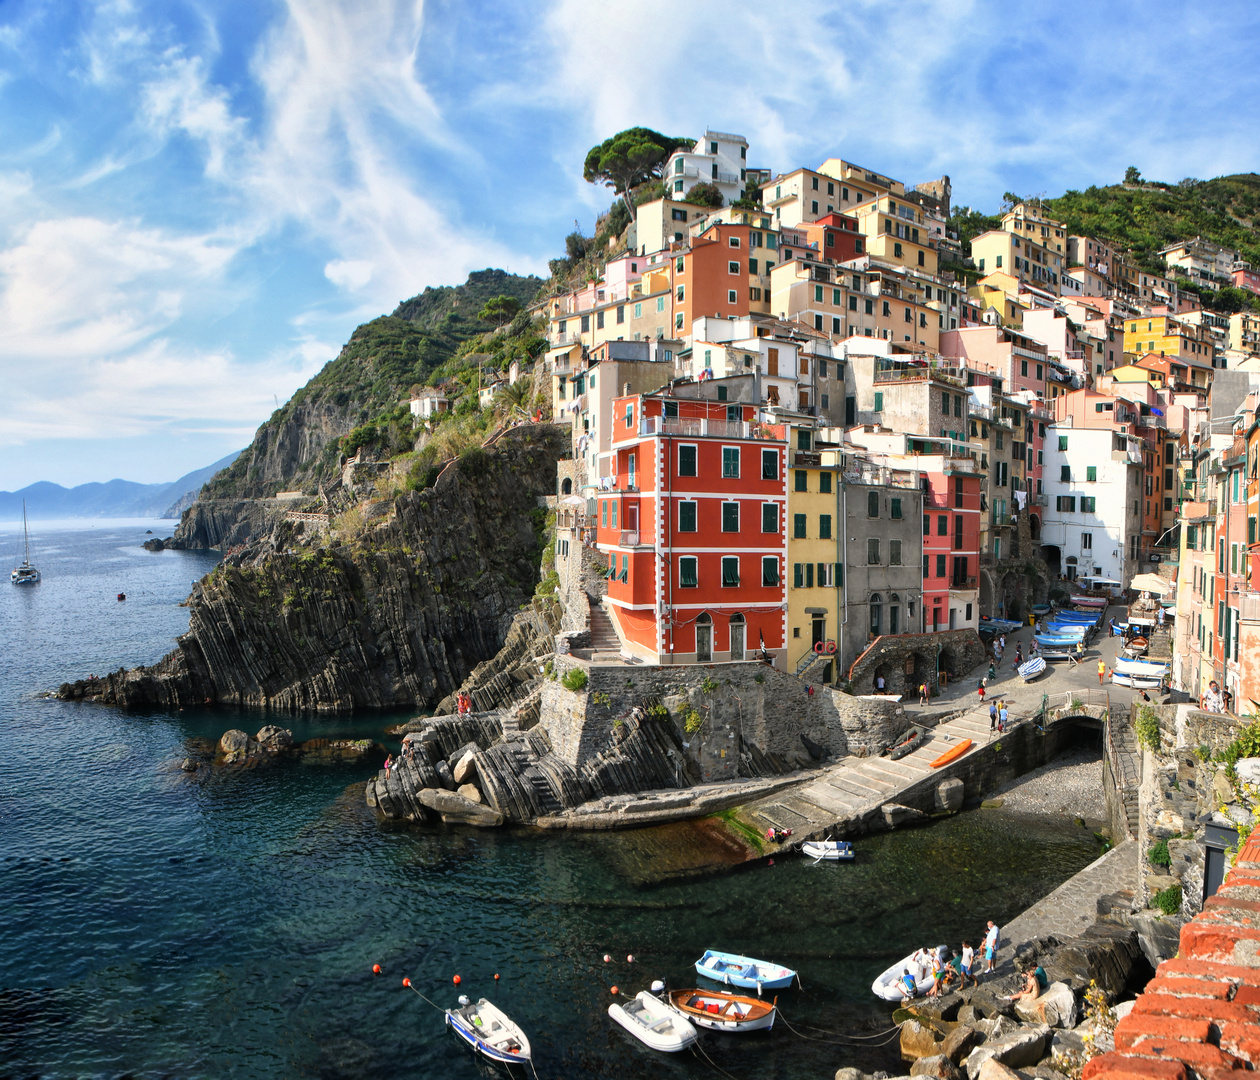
[(200, 201)]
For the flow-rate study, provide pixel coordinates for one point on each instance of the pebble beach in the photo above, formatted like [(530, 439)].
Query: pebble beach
[(1071, 784)]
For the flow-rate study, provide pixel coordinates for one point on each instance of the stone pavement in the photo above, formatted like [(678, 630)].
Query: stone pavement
[(1024, 699), (1073, 907)]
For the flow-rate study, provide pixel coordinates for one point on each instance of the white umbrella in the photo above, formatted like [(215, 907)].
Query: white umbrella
[(1151, 583)]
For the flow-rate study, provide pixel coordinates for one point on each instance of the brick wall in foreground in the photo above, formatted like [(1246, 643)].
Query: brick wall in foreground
[(1199, 1018)]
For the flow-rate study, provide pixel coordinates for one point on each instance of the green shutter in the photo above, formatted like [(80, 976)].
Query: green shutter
[(879, 401)]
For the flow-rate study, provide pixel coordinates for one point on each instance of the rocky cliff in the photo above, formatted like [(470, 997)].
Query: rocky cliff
[(394, 615)]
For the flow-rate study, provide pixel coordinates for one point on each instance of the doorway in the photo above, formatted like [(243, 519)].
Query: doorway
[(737, 637), (818, 634), (704, 640)]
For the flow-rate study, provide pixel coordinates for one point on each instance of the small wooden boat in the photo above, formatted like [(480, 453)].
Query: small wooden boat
[(735, 970), (1058, 641), (722, 1011), (888, 987), (1142, 667), (489, 1031), (831, 850), (1001, 624), (1118, 628), (952, 754), (1040, 609), (654, 1023), (1090, 602), (910, 742), (1030, 669), (1053, 654)]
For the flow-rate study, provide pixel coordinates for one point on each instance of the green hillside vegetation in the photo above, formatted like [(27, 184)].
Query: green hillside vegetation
[(1143, 216), (432, 338)]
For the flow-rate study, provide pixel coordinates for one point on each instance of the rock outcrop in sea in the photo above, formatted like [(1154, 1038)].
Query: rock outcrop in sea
[(395, 615)]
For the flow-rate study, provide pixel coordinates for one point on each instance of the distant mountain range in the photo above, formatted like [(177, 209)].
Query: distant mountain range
[(116, 498)]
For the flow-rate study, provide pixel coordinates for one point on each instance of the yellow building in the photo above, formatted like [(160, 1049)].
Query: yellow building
[(1244, 332), (1173, 338), (896, 234), (1000, 291), (815, 549), (1028, 246)]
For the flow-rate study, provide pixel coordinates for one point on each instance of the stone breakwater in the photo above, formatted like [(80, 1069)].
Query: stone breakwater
[(555, 756), (394, 616)]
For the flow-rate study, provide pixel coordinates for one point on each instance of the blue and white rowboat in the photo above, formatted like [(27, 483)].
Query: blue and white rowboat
[(735, 970), (1030, 669), (489, 1032)]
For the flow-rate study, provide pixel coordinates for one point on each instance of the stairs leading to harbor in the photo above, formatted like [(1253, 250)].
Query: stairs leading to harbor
[(604, 637), (1124, 752)]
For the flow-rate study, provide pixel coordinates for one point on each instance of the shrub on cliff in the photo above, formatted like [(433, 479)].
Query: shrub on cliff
[(1146, 727), (574, 679), (1168, 900), (1158, 855)]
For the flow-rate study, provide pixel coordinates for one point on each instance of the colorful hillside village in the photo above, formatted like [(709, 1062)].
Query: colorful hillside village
[(803, 421)]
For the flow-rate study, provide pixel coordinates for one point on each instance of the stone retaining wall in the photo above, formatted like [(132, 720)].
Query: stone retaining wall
[(906, 660)]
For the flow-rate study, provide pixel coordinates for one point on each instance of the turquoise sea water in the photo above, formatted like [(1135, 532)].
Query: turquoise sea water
[(160, 924)]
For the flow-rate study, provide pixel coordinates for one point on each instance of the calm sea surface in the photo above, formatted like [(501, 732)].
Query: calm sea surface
[(159, 924)]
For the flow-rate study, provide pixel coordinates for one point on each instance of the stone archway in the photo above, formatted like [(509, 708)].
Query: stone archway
[(1034, 528), (948, 662), (986, 592), (885, 671), (566, 486)]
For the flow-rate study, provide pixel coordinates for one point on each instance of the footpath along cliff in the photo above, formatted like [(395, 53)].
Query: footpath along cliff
[(394, 615)]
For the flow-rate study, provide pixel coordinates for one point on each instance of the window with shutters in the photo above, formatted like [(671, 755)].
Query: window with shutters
[(730, 462), (824, 526), (730, 571), (872, 504), (894, 552), (769, 517), (686, 461), (730, 517), (770, 571), (872, 551), (769, 462), (686, 517), (799, 529), (687, 572), (895, 504), (824, 483)]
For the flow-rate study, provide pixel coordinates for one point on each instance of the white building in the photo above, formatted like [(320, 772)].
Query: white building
[(428, 403), (1092, 481), (718, 158)]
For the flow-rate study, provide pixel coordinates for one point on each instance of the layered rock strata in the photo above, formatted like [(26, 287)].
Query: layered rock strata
[(394, 616)]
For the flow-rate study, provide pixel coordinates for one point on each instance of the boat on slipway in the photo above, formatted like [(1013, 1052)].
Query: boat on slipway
[(910, 742), (720, 1010), (735, 970), (489, 1031), (1030, 669), (654, 1023)]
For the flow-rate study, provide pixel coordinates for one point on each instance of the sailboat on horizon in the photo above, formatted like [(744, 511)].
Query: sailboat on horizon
[(25, 574)]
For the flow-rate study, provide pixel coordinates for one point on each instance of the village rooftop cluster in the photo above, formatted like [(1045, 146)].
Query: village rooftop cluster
[(802, 425)]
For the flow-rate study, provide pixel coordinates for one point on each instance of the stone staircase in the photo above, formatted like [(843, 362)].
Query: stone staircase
[(604, 637), (1123, 750), (858, 786)]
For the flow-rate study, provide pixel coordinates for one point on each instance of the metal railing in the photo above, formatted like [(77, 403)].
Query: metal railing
[(694, 427)]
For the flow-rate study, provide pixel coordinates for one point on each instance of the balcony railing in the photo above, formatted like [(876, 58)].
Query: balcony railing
[(806, 458), (629, 538), (1249, 607), (722, 429), (963, 583), (1132, 457)]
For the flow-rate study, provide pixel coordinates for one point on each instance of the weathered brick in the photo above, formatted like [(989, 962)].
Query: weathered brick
[(1199, 1056), (1224, 900), (1191, 988), (1203, 940), (1114, 1066), (1243, 1040), (1138, 1026), (1209, 969), (1247, 995), (1196, 1008)]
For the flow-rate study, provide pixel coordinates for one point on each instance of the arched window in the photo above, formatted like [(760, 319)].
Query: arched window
[(566, 486), (877, 605)]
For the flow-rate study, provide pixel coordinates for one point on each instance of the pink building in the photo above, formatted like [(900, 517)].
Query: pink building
[(1020, 361), (1246, 278)]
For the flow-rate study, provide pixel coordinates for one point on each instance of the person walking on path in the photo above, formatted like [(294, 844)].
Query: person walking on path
[(923, 693), (993, 716), (1002, 719), (1102, 670), (1019, 656), (990, 947), (980, 691)]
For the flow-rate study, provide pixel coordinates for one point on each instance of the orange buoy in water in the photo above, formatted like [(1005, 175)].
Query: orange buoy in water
[(607, 959), (630, 958), (496, 976), (406, 982), (614, 990), (771, 862), (457, 980), (376, 969)]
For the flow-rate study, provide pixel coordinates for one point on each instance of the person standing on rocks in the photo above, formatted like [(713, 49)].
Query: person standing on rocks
[(990, 947), (964, 969)]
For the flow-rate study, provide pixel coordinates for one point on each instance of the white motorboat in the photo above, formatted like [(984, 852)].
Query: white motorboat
[(489, 1031), (828, 849), (25, 574), (888, 985), (654, 1023), (1137, 682)]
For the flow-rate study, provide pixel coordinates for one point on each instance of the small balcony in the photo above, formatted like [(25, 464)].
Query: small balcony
[(959, 584), (628, 538)]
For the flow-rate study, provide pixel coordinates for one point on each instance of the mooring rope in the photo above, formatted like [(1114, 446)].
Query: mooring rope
[(887, 1035), (696, 1046)]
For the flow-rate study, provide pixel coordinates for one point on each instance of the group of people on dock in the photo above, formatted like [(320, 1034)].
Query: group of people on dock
[(949, 969)]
